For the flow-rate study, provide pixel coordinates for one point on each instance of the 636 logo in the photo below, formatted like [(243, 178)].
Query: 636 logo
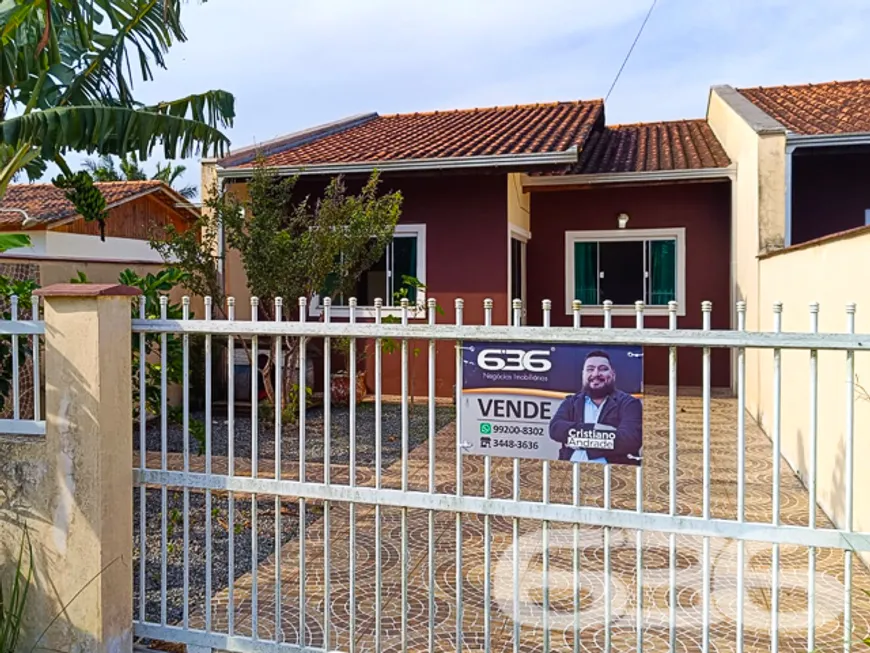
[(515, 360)]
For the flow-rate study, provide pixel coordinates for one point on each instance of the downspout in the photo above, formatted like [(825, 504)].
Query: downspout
[(789, 151)]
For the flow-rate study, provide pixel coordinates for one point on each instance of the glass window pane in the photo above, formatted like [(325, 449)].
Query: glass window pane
[(622, 275), (662, 272), (586, 272), (516, 269), (372, 284), (404, 265)]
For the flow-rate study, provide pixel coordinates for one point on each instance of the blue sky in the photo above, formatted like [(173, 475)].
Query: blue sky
[(294, 63)]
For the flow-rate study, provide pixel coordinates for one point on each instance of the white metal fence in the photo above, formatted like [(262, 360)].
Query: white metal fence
[(455, 596), (20, 357)]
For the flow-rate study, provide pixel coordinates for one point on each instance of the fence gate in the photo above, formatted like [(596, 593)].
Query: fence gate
[(312, 525)]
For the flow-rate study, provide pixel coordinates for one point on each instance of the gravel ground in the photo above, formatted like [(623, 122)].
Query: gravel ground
[(391, 424), (220, 546)]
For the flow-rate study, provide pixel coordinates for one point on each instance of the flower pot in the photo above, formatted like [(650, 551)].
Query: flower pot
[(340, 387)]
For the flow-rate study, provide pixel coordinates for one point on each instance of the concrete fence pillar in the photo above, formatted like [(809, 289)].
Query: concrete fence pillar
[(73, 489)]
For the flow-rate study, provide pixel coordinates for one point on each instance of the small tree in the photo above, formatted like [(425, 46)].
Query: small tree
[(289, 247)]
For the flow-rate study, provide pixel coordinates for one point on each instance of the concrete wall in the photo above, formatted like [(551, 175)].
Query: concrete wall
[(702, 208), (819, 272), (72, 487), (758, 218)]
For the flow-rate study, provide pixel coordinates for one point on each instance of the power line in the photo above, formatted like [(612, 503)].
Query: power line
[(630, 50)]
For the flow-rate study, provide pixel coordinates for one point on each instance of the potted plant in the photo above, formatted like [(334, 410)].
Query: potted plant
[(340, 382)]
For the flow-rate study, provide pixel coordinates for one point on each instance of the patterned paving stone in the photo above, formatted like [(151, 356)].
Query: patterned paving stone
[(623, 583)]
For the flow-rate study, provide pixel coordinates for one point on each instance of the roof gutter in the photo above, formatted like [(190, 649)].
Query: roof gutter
[(412, 165), (698, 174), (827, 140)]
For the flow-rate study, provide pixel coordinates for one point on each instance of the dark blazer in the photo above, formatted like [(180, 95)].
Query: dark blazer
[(621, 411)]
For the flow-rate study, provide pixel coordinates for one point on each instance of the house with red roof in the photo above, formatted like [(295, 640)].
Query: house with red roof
[(63, 243), (548, 201)]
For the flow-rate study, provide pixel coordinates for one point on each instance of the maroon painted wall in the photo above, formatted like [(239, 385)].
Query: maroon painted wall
[(466, 256), (829, 193), (702, 208)]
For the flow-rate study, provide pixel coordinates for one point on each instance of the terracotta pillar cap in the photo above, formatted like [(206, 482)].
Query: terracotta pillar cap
[(88, 290)]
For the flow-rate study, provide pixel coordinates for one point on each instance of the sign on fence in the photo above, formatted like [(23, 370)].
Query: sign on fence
[(553, 402)]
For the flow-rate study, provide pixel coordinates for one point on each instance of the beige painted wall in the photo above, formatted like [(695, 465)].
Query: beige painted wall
[(797, 278), (519, 202), (758, 213)]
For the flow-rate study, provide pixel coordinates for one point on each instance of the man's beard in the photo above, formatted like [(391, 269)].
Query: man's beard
[(601, 391)]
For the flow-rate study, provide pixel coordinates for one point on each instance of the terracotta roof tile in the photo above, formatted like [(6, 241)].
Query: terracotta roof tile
[(650, 147), (828, 108), (47, 204), (521, 129)]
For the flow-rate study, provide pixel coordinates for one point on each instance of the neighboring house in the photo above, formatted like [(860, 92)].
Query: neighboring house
[(802, 196), (62, 243)]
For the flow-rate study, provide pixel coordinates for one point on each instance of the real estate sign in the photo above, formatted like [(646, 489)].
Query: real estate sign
[(553, 402)]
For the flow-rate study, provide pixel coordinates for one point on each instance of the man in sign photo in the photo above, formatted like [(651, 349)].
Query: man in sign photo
[(599, 424)]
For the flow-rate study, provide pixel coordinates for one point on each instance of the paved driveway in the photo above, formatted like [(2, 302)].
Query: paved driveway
[(829, 604)]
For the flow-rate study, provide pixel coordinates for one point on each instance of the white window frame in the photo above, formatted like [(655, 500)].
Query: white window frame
[(672, 233), (524, 236), (419, 230)]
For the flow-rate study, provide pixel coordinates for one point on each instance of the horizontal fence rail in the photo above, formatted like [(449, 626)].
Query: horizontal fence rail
[(421, 545), (530, 334)]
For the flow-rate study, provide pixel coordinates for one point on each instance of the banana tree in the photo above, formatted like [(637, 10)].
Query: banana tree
[(66, 78)]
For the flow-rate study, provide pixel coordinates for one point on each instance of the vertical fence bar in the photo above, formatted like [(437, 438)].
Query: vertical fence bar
[(517, 320), (638, 311), (16, 382), (608, 587), (459, 461), (672, 479), (850, 479), (143, 464), (231, 470), (777, 462), (379, 303), (487, 525), (255, 468), (813, 481), (575, 499), (37, 397), (741, 471), (351, 318), (546, 308), (327, 476), (164, 499), (303, 399), (706, 310), (432, 307), (207, 304), (185, 422), (404, 464), (278, 394)]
